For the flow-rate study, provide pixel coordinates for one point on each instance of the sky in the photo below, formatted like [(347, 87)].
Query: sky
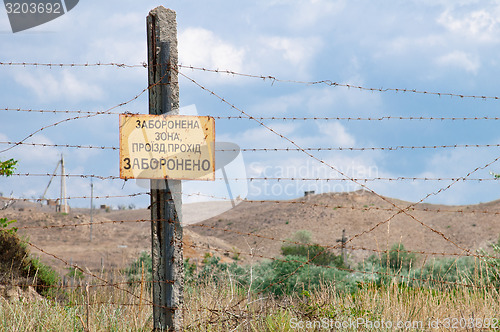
[(436, 46)]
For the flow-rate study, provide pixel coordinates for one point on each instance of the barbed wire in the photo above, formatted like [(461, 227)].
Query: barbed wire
[(348, 118), (398, 209), (75, 197), (400, 178), (62, 111), (87, 64), (401, 210), (331, 83), (274, 118), (270, 78), (389, 148), (62, 145), (83, 176), (86, 116)]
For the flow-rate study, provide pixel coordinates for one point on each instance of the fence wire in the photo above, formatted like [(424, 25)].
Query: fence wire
[(395, 209)]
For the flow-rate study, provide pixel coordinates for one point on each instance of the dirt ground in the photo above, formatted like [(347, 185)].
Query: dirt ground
[(433, 228)]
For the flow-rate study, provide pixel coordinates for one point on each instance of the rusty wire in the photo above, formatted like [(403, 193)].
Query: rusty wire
[(274, 118), (348, 118), (400, 178), (86, 116), (386, 148), (60, 111), (331, 83), (87, 64), (401, 210), (270, 78)]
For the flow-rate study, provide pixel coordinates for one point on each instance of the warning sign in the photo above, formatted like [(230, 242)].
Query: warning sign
[(167, 147)]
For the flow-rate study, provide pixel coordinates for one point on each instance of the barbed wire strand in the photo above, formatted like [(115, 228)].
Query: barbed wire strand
[(336, 84), (400, 178), (86, 116), (271, 78), (350, 118), (387, 148), (404, 211), (274, 118), (87, 64)]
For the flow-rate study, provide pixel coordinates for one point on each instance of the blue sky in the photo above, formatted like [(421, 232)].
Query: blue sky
[(439, 46)]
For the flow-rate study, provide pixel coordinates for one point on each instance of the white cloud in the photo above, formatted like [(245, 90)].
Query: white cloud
[(277, 105), (305, 14), (480, 25), (401, 45), (202, 47), (286, 56), (58, 86), (295, 51), (329, 100), (41, 158), (335, 134), (460, 60)]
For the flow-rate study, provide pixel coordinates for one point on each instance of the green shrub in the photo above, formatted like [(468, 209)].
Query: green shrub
[(45, 275), (292, 276), (301, 246), (4, 223), (398, 258), (134, 271)]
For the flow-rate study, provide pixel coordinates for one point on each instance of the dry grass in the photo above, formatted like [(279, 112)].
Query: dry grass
[(225, 307)]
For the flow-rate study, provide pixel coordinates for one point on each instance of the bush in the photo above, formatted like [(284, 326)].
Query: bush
[(398, 258), (292, 276), (303, 247), (16, 264), (134, 271)]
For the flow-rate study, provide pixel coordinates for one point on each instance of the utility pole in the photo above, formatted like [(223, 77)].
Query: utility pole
[(63, 202), (343, 241), (91, 206), (166, 199)]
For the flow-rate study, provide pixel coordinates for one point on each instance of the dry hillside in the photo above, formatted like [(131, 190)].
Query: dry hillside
[(326, 215), (116, 244)]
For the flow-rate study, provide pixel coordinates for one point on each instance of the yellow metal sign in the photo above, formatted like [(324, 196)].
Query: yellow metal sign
[(167, 147)]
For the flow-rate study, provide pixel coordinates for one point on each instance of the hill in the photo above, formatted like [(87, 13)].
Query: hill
[(326, 215)]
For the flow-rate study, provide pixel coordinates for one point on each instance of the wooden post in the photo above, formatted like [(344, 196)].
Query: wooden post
[(166, 199)]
